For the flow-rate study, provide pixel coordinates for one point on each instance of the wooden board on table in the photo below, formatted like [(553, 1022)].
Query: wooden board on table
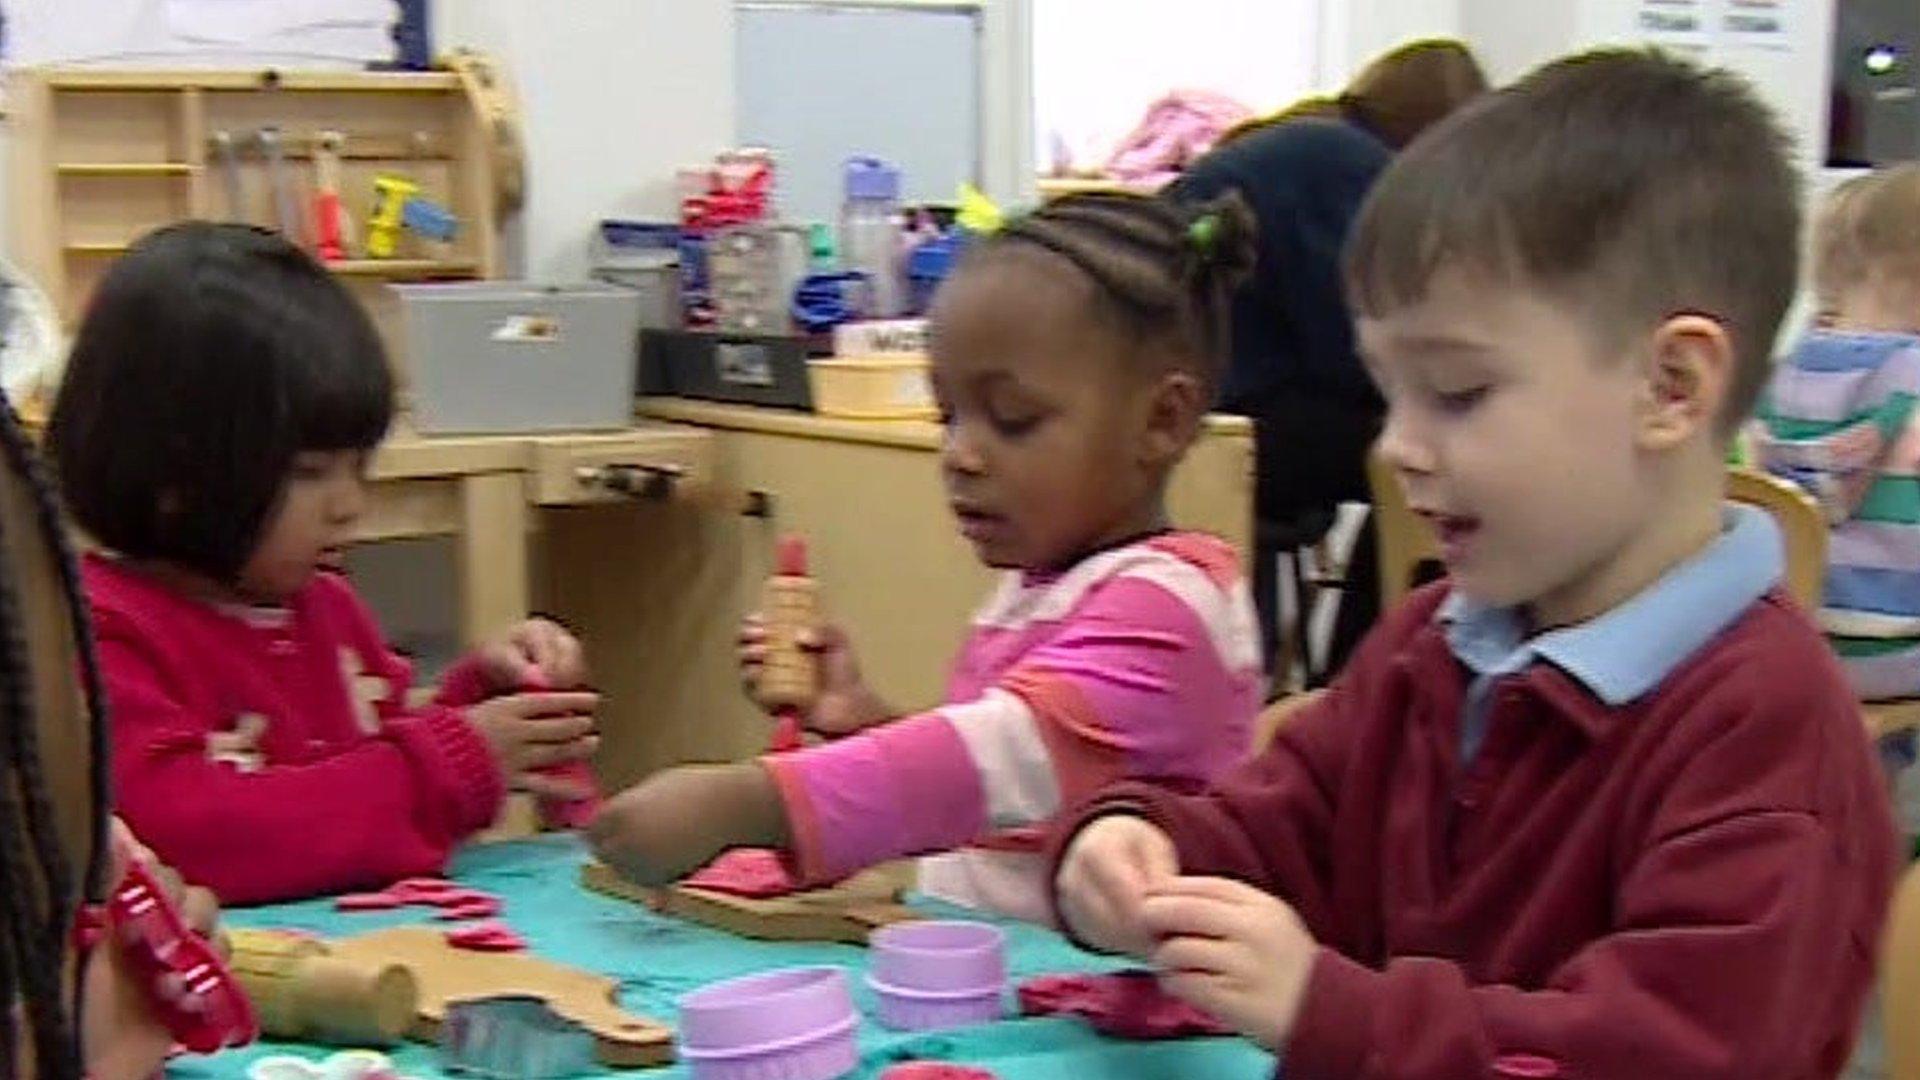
[(446, 974), (846, 913)]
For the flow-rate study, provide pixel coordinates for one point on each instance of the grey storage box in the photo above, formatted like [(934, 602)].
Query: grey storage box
[(496, 357)]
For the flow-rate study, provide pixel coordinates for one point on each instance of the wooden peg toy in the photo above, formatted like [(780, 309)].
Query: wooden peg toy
[(305, 993), (286, 205), (789, 679)]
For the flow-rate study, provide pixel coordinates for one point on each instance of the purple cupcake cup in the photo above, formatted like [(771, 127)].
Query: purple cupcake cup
[(930, 975), (797, 1024)]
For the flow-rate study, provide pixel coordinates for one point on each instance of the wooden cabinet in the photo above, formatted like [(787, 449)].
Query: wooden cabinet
[(101, 157)]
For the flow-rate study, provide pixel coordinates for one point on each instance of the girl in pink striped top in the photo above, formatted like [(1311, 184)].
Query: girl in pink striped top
[(1074, 356)]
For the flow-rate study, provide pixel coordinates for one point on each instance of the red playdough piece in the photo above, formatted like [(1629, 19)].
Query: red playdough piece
[(487, 937), (460, 897), (482, 908), (935, 1070), (755, 873), (421, 889), (1126, 1005), (564, 813), (369, 901)]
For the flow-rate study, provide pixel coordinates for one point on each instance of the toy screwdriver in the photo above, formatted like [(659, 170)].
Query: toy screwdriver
[(328, 215), (789, 678)]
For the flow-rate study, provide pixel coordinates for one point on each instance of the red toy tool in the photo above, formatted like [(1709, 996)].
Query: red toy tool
[(193, 994)]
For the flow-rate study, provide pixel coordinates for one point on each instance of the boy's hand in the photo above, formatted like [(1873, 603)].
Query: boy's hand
[(536, 654), (533, 731), (1111, 867), (675, 822), (845, 704), (1232, 951)]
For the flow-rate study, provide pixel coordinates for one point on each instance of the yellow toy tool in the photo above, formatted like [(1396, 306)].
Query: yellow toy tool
[(391, 194)]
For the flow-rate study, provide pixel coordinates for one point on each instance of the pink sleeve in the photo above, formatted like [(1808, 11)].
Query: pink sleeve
[(1133, 686)]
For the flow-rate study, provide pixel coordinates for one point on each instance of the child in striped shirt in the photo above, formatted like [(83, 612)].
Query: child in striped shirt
[(1840, 419), (1074, 356)]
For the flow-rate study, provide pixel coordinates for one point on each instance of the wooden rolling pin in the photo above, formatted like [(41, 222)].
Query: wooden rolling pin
[(303, 992), (789, 679)]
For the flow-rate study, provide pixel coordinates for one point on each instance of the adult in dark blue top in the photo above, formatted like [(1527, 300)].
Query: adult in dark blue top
[(1305, 173)]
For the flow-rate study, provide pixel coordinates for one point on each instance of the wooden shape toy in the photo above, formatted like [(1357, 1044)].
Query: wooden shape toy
[(846, 913), (304, 993), (447, 975)]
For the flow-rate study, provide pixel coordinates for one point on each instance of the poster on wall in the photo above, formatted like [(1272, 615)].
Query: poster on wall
[(1682, 25)]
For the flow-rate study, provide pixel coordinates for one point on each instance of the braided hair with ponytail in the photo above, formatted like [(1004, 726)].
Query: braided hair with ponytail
[(1164, 273), (39, 889)]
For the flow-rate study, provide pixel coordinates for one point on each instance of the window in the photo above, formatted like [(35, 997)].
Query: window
[(1099, 64)]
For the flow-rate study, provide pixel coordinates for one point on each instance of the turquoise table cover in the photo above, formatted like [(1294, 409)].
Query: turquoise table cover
[(656, 959)]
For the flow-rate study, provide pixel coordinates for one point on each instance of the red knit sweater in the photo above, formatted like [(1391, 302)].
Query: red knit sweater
[(348, 789), (1691, 885)]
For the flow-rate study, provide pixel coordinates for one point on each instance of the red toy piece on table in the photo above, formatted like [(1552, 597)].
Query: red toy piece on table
[(755, 873), (935, 1070), (1125, 1004), (482, 907), (192, 993), (374, 901), (487, 937)]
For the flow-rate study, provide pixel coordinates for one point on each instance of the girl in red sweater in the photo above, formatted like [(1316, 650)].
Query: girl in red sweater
[(212, 436)]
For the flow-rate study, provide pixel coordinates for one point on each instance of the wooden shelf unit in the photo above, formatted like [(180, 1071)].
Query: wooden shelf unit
[(101, 157)]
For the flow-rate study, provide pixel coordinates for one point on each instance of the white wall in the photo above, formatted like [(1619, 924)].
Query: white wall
[(1356, 31), (617, 94)]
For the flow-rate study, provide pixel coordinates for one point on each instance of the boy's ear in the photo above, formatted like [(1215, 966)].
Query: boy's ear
[(1177, 402), (1689, 371)]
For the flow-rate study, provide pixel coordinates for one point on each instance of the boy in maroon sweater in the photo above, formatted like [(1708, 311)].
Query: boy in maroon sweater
[(1602, 804)]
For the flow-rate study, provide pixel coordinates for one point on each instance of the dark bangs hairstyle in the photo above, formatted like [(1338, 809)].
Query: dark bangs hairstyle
[(210, 355), (1628, 184)]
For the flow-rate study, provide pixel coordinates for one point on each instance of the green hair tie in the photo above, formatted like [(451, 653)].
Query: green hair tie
[(1204, 234)]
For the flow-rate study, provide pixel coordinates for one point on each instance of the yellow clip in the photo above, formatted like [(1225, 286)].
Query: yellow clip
[(978, 214), (383, 228)]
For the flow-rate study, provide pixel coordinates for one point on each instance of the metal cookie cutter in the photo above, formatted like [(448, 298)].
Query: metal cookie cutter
[(514, 1038)]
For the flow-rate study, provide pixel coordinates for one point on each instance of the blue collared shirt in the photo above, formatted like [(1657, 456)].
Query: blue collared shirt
[(1625, 653)]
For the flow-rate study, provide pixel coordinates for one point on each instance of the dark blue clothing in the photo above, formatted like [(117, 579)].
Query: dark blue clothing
[(1305, 180)]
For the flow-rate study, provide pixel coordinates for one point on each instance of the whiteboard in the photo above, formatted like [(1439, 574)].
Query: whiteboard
[(820, 82)]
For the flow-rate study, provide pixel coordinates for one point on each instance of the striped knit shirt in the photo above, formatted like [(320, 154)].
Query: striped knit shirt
[(1840, 420), (1142, 661)]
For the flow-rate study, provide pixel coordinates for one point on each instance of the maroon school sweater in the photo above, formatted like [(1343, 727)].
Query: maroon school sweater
[(1691, 885)]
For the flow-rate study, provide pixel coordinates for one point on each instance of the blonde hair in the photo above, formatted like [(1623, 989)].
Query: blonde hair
[(1867, 236), (1837, 262)]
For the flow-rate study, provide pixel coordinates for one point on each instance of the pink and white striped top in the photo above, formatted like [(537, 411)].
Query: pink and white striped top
[(1139, 662)]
